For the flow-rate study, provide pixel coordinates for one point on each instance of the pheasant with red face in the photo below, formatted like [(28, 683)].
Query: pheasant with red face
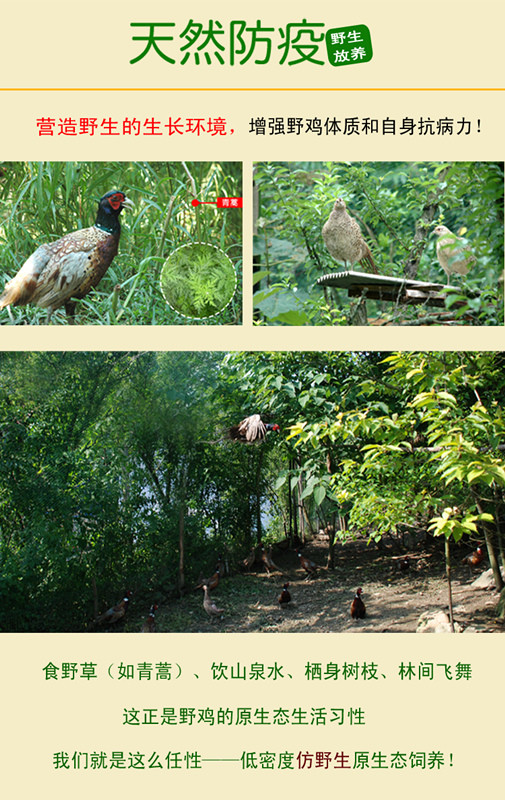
[(474, 559), (59, 273), (306, 564)]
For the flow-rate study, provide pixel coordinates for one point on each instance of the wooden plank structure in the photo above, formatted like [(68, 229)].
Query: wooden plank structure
[(386, 287)]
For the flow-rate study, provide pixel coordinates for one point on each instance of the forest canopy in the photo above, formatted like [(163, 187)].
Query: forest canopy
[(118, 469)]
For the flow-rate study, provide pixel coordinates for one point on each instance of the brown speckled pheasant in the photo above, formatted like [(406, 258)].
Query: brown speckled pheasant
[(59, 273), (344, 240)]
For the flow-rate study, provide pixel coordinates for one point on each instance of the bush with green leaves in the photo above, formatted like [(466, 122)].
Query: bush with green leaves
[(198, 280)]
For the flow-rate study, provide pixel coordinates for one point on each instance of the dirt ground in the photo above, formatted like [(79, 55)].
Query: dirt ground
[(394, 599)]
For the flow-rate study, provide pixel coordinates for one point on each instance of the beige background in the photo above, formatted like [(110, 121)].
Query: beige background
[(55, 45)]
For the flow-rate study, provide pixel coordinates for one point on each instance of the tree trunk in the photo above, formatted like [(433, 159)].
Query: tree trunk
[(332, 535), (182, 514), (423, 229), (449, 584), (95, 596), (490, 549), (358, 315), (259, 528), (301, 518), (501, 607), (499, 527)]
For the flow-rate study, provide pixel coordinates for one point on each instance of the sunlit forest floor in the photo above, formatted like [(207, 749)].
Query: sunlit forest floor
[(394, 600)]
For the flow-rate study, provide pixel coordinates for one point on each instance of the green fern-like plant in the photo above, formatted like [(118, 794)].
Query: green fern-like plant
[(198, 280)]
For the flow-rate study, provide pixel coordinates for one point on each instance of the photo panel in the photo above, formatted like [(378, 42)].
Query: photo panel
[(121, 243), (248, 492), (378, 243)]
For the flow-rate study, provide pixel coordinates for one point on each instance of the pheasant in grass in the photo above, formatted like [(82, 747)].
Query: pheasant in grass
[(114, 614), (209, 604), (149, 625), (59, 273)]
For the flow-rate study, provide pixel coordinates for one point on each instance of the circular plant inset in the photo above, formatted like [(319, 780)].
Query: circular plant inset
[(198, 280)]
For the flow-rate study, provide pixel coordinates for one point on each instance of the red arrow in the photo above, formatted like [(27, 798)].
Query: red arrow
[(221, 202)]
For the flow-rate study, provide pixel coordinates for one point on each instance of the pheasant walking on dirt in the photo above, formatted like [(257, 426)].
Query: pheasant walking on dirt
[(59, 273), (285, 596), (358, 610), (308, 565), (473, 559), (344, 240)]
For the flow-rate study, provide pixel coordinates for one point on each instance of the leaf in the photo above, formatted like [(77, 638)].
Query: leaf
[(319, 494)]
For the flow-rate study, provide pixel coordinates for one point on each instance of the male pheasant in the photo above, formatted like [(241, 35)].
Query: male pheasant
[(59, 273), (113, 615)]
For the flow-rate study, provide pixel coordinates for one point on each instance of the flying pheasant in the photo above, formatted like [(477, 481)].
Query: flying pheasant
[(252, 429), (59, 273), (344, 240), (454, 256)]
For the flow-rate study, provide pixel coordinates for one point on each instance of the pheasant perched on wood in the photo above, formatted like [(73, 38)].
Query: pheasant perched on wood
[(344, 240), (113, 615), (252, 429), (149, 625), (59, 273), (454, 256)]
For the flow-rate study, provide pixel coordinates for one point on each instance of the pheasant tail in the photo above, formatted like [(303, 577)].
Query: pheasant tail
[(368, 263)]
